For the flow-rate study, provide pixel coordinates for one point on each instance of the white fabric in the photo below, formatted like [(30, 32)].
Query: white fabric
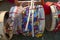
[(12, 11), (15, 14)]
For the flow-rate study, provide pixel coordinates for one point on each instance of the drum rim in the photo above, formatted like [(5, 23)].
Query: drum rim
[(53, 19)]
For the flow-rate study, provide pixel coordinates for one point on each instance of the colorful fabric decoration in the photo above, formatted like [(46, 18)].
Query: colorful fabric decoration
[(15, 15), (38, 15), (36, 24)]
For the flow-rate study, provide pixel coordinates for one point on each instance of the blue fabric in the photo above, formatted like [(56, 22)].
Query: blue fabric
[(30, 27), (25, 19)]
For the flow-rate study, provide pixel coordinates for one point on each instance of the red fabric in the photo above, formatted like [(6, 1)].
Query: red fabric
[(49, 3), (59, 16), (47, 8), (57, 28), (58, 5), (11, 1)]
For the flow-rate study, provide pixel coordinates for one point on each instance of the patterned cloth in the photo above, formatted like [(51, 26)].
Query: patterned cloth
[(20, 19), (15, 15), (37, 12)]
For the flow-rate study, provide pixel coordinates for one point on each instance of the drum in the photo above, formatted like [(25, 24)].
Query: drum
[(54, 17), (51, 16), (39, 21), (4, 15)]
